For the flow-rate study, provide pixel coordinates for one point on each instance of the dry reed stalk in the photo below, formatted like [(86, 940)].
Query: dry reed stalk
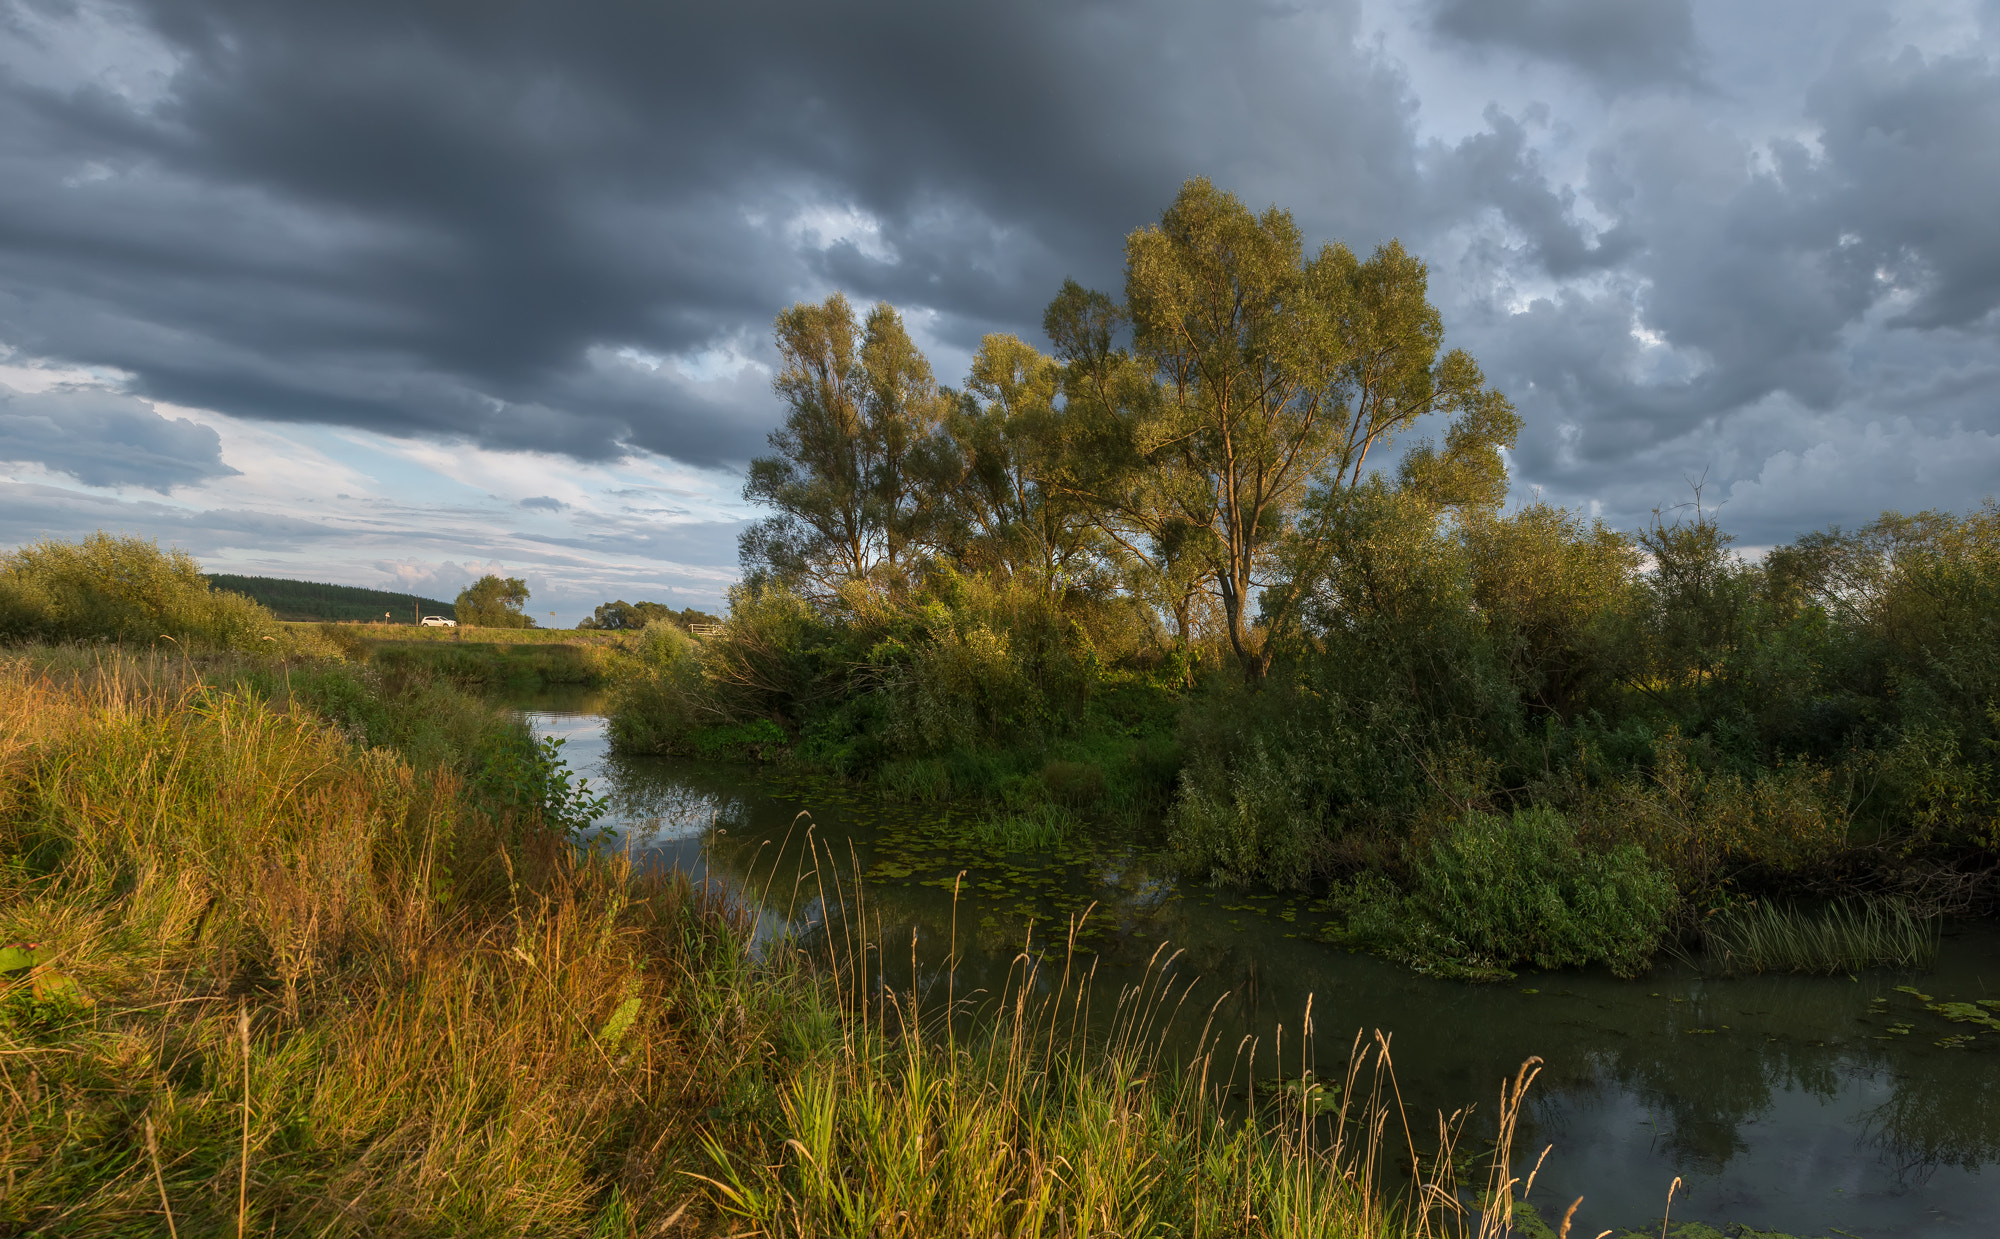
[(159, 1179), (243, 1175)]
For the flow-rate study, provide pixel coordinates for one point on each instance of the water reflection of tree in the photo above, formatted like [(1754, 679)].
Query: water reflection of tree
[(643, 801), (1943, 1110)]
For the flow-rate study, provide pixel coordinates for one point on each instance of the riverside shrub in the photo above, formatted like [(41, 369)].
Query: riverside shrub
[(128, 589), (1491, 891), (662, 699)]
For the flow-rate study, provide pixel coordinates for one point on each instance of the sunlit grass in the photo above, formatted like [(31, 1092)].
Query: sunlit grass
[(905, 1123), (285, 984)]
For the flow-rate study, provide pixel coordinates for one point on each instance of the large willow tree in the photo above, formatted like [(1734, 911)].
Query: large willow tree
[(1202, 438), (847, 477), (1258, 384)]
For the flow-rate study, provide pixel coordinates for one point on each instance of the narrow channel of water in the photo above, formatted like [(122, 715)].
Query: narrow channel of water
[(1815, 1106)]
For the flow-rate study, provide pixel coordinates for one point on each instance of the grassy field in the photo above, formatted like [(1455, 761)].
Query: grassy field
[(268, 980), (467, 634), (481, 657)]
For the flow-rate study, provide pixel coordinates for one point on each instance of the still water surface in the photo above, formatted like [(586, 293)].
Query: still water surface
[(1816, 1106)]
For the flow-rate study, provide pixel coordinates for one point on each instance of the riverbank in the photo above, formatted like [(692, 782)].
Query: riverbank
[(296, 953), (1867, 1101)]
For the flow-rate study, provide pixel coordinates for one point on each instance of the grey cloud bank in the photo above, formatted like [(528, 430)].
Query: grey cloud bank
[(1618, 46), (566, 228), (105, 439)]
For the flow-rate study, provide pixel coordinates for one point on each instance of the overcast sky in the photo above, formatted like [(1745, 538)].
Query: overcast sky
[(394, 294)]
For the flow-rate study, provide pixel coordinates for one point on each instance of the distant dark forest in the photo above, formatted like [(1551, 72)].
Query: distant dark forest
[(310, 600)]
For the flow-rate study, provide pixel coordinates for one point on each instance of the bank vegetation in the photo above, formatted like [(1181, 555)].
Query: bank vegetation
[(1232, 573), (296, 945)]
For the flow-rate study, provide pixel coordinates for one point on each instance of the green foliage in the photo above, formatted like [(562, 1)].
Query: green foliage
[(1493, 890), (493, 602), (752, 741), (1043, 828), (1253, 819), (1704, 821), (532, 777), (1555, 595), (477, 663), (622, 616), (107, 588), (847, 482), (1273, 376), (663, 701)]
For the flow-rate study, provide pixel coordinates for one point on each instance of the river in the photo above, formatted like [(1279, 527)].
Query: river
[(1810, 1105)]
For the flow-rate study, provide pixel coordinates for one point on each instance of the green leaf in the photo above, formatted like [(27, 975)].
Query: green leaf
[(20, 955), (621, 1020), (1965, 1013)]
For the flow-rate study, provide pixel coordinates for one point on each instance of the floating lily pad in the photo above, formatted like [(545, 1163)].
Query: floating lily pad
[(1965, 1013)]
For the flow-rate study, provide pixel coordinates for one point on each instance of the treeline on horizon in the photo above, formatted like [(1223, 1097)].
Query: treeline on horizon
[(1159, 580), (313, 600)]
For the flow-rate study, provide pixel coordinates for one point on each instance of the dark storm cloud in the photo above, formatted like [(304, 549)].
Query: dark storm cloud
[(1497, 169), (567, 228), (104, 439), (1617, 44), (1915, 145), (1752, 304), (454, 220)]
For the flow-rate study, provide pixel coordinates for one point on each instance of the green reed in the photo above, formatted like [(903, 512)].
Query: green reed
[(1844, 936)]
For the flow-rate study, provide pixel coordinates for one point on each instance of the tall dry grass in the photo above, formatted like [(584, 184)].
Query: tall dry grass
[(286, 984), (454, 1025)]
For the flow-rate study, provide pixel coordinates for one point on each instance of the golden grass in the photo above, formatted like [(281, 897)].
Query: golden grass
[(290, 986), (425, 992)]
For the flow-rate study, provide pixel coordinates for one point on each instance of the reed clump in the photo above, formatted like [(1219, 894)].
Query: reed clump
[(287, 980), (1844, 936)]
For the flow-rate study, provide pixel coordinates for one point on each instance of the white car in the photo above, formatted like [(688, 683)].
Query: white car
[(439, 621)]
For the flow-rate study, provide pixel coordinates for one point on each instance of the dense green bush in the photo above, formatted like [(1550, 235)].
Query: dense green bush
[(1492, 890), (1251, 820), (661, 698), (109, 588)]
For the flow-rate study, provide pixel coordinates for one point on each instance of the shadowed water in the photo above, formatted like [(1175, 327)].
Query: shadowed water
[(1812, 1105)]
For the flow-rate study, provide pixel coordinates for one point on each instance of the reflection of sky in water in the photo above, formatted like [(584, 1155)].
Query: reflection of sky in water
[(644, 808), (1782, 1102)]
